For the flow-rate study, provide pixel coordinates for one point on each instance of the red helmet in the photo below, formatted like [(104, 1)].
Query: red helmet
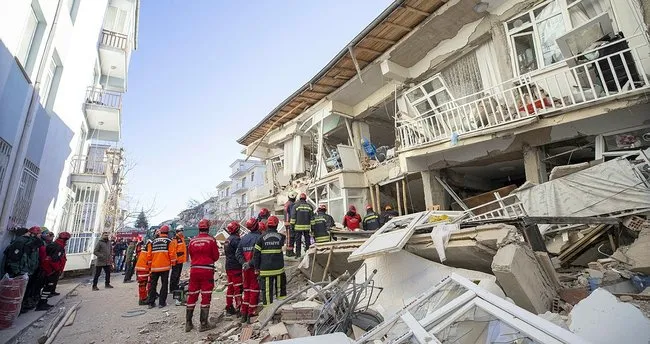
[(303, 196), (232, 227), (264, 212), (352, 208), (251, 224), (204, 224), (273, 221), (261, 226), (164, 229), (64, 235), (35, 230), (322, 206), (369, 206)]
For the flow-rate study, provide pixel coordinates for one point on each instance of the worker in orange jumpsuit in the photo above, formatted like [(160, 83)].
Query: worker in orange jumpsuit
[(244, 255), (204, 252), (181, 258), (142, 273), (161, 253)]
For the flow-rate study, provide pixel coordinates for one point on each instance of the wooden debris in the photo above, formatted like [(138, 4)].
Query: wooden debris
[(70, 320), (246, 333)]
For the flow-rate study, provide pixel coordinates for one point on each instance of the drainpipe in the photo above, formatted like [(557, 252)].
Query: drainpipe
[(21, 151)]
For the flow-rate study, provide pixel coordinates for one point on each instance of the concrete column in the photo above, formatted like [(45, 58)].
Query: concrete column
[(360, 130), (434, 193), (533, 164)]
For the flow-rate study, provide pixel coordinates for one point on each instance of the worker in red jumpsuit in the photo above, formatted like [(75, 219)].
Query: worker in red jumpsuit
[(203, 251), (233, 270), (244, 254), (352, 219)]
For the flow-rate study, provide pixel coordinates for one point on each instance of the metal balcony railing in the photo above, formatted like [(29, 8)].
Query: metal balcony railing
[(82, 164), (99, 97), (587, 81), (114, 39)]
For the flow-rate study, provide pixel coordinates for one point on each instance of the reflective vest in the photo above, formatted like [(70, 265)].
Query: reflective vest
[(143, 265), (371, 221), (246, 246), (268, 257), (181, 249), (321, 225), (301, 216), (161, 252)]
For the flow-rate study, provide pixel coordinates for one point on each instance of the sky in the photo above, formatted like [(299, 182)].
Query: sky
[(207, 71)]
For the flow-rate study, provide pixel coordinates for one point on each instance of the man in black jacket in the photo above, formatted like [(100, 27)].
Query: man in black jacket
[(371, 220), (301, 219), (322, 224), (233, 269), (269, 261), (388, 214)]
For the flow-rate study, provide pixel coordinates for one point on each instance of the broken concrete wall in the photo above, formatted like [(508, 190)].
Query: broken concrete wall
[(639, 253), (523, 278)]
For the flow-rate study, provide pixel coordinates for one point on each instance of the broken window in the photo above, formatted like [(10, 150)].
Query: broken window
[(431, 95)]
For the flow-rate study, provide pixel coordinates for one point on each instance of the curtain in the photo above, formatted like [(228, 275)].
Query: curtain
[(488, 66), (463, 77), (294, 158), (586, 10)]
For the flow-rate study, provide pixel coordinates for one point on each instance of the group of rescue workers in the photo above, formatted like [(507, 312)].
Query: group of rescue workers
[(36, 254)]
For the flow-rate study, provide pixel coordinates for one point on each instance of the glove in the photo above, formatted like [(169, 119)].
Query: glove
[(245, 266)]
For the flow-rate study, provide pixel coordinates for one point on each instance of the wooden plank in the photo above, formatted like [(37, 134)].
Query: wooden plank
[(397, 26), (564, 220), (368, 50), (346, 69), (415, 10), (380, 39)]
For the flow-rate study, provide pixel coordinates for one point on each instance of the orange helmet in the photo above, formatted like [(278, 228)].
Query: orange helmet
[(204, 224), (273, 221), (164, 229), (252, 224), (232, 227)]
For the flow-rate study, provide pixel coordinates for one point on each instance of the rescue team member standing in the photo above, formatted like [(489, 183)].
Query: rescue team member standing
[(371, 220), (52, 267), (322, 224), (181, 258), (203, 252), (142, 273), (233, 269), (269, 261), (288, 208), (388, 214), (245, 257), (301, 217), (352, 220), (161, 254)]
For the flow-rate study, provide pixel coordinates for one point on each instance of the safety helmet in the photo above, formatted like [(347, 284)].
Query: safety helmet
[(303, 196), (64, 235), (204, 224), (352, 208), (232, 227), (368, 206), (264, 212), (180, 228), (322, 206), (164, 229), (273, 221), (261, 226), (251, 224), (293, 194), (35, 230), (388, 207)]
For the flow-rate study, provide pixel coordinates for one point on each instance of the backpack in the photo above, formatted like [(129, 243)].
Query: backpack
[(16, 261), (54, 251)]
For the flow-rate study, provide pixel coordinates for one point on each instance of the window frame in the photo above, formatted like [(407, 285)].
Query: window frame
[(48, 79), (427, 96), (30, 45)]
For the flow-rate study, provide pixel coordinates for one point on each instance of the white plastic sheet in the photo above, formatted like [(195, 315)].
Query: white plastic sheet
[(440, 236)]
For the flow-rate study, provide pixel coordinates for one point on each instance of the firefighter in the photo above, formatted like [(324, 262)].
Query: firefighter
[(233, 270), (322, 224), (204, 252), (301, 217), (371, 220), (288, 207), (161, 254), (181, 258), (142, 273), (52, 267), (387, 215), (352, 220), (269, 262), (245, 257), (263, 216)]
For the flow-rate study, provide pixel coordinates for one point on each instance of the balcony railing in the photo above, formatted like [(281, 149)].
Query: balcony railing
[(82, 164), (589, 80), (260, 192), (114, 39), (99, 97)]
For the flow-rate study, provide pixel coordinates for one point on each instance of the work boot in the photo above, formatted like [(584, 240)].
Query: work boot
[(108, 286), (95, 288), (290, 254), (189, 313), (230, 310), (43, 305), (142, 303), (152, 305), (205, 324), (244, 318)]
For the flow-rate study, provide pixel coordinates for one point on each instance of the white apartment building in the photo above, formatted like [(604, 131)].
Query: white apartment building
[(63, 73), (245, 177), (482, 95)]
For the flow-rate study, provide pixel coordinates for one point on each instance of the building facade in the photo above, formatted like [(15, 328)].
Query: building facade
[(63, 73), (481, 95)]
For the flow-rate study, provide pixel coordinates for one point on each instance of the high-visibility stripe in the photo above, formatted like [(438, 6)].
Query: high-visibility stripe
[(267, 281), (202, 267), (258, 247), (206, 292), (193, 292), (271, 272), (302, 227), (322, 239), (270, 251), (278, 283)]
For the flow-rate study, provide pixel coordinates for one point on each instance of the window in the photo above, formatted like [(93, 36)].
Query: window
[(73, 8), (243, 200), (50, 81), (432, 95), (243, 182), (116, 20), (252, 176), (532, 35), (28, 38)]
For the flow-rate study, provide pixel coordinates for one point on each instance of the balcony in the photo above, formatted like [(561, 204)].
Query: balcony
[(239, 188), (114, 52), (579, 81), (260, 193), (103, 110), (91, 170)]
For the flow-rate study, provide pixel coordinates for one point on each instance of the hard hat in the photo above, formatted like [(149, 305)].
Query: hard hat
[(293, 194), (352, 208), (322, 206), (251, 224), (273, 221), (264, 212), (204, 224), (35, 230), (64, 235), (180, 228), (388, 207), (303, 196), (164, 229), (261, 226), (232, 227), (368, 206)]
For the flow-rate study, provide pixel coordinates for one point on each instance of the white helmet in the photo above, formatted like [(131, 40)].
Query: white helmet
[(293, 194), (180, 228)]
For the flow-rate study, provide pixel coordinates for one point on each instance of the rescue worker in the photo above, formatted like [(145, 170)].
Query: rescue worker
[(233, 270), (388, 214), (244, 255), (35, 282), (263, 215), (161, 254), (269, 261), (352, 220), (181, 258), (301, 220), (129, 262), (142, 273), (52, 267), (371, 220), (288, 208), (204, 252), (322, 224)]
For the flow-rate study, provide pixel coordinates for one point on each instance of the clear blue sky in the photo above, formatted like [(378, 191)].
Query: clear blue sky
[(206, 71)]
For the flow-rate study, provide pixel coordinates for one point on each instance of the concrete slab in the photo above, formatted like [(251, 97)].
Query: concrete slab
[(639, 253)]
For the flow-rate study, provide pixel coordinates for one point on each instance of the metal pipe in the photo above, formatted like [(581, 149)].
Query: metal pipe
[(399, 199)]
